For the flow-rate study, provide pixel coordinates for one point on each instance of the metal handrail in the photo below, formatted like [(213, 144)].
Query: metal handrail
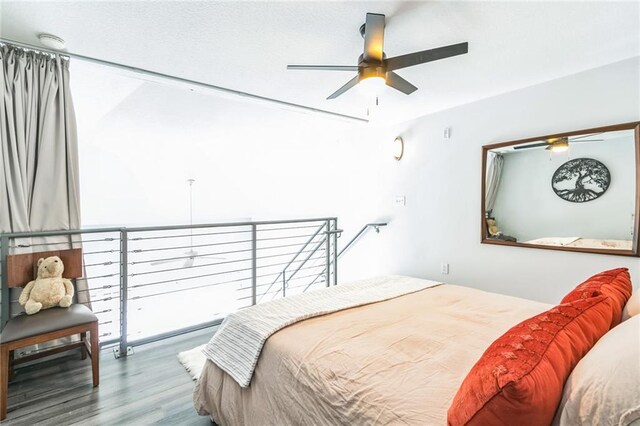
[(375, 225), (326, 243), (315, 234), (30, 234), (285, 279)]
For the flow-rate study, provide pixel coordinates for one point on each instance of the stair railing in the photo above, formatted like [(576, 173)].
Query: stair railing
[(293, 259), (337, 254)]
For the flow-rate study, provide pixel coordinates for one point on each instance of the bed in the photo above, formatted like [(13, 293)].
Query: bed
[(399, 361), (580, 242)]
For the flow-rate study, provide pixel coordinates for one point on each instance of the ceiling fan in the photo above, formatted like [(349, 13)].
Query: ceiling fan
[(191, 254), (560, 144), (374, 66)]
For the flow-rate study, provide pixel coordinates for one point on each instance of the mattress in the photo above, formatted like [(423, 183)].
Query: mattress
[(400, 361)]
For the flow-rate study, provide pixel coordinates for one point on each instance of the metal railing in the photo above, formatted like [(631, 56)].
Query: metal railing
[(375, 225), (336, 233), (146, 283), (149, 283)]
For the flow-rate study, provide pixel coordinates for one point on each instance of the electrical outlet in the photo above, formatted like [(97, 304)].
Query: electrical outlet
[(446, 134), (444, 268), (401, 200)]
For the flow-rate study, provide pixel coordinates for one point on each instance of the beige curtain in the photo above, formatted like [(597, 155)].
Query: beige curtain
[(39, 144), (39, 152), (495, 162)]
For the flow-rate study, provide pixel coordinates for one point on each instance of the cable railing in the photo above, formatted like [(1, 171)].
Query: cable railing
[(144, 283), (149, 283)]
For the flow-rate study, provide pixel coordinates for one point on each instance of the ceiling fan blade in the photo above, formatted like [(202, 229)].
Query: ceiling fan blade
[(212, 257), (583, 136), (533, 145), (399, 83), (373, 38), (163, 262), (344, 88), (323, 67), (430, 55), (585, 140)]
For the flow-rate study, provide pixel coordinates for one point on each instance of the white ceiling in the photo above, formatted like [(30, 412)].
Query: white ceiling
[(246, 45)]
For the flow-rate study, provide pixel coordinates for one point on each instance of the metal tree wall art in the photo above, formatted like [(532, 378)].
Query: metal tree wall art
[(581, 180)]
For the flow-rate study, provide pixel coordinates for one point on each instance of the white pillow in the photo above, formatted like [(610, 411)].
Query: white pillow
[(632, 307), (603, 388)]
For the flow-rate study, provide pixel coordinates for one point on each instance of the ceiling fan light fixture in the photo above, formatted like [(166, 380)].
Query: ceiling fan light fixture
[(374, 63), (558, 145), (372, 79), (373, 84)]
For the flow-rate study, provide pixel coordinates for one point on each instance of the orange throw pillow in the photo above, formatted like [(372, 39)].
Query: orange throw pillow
[(520, 377), (615, 283)]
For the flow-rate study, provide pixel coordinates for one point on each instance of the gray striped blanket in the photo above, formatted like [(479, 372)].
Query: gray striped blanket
[(236, 346)]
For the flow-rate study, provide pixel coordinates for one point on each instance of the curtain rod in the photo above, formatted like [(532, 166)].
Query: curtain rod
[(182, 80)]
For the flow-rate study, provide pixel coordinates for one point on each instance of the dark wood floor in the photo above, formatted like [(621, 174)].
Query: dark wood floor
[(150, 387)]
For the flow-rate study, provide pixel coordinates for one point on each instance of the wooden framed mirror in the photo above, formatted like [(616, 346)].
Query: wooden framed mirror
[(574, 191)]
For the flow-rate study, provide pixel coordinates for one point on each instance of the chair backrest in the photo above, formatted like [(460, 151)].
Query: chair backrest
[(22, 268)]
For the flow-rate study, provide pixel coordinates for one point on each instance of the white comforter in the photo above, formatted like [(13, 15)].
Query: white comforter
[(236, 347), (397, 362)]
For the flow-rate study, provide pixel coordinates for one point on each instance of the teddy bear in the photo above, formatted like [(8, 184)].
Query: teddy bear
[(494, 231), (49, 289), (492, 226)]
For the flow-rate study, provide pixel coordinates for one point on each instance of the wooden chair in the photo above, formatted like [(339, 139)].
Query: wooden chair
[(50, 324)]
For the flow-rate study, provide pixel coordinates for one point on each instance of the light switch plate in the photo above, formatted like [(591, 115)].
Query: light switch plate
[(401, 200), (444, 268)]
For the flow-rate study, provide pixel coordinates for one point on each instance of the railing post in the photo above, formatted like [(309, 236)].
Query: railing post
[(284, 283), (335, 253), (122, 349), (327, 247), (254, 264), (4, 284)]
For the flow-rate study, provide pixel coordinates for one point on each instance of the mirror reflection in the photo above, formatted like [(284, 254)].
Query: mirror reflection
[(573, 191)]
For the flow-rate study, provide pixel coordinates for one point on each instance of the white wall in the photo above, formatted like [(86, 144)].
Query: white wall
[(441, 180), (526, 206)]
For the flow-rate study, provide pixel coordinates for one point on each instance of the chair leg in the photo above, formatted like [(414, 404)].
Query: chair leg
[(95, 354), (83, 348), (12, 372), (4, 380)]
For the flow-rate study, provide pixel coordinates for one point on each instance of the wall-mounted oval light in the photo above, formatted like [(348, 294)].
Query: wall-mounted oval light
[(398, 148)]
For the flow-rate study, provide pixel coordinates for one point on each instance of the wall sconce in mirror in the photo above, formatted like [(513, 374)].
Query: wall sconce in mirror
[(586, 202), (398, 148)]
